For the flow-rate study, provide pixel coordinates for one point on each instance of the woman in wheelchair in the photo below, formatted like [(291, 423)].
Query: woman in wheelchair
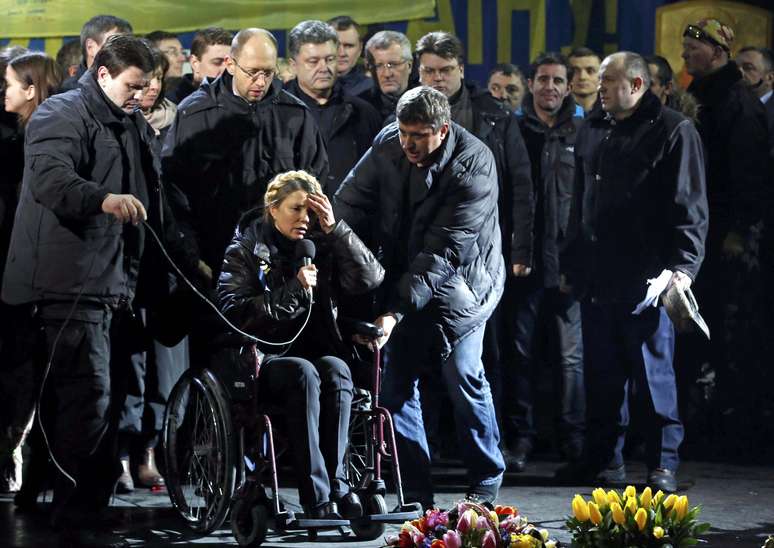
[(266, 289)]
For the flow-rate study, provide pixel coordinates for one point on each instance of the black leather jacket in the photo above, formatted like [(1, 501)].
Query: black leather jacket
[(259, 292)]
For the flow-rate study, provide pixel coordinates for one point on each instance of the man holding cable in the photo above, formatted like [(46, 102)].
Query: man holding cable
[(75, 255)]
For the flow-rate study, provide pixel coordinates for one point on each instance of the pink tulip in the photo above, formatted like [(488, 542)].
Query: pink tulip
[(463, 524), (482, 523), (452, 539), (489, 540)]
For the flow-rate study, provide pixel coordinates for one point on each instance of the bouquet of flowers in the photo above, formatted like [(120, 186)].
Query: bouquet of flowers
[(648, 520), (471, 525)]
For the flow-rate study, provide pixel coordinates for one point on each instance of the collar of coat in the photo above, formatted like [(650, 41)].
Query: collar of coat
[(714, 87), (219, 94), (563, 118), (649, 109), (98, 103)]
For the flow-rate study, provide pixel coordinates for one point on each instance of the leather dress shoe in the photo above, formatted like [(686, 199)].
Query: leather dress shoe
[(663, 479), (612, 475), (516, 457), (326, 510), (349, 505)]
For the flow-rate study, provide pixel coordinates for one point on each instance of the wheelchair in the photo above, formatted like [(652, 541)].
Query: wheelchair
[(220, 451)]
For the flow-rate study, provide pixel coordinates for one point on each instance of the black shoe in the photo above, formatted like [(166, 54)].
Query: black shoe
[(349, 505), (326, 510), (516, 457), (485, 495), (612, 476), (663, 479), (579, 473), (26, 501)]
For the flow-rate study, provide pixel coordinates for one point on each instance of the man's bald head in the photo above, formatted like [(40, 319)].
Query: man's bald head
[(623, 80), (254, 38), (253, 63)]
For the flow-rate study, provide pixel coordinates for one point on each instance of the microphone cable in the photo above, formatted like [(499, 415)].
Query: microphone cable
[(49, 363)]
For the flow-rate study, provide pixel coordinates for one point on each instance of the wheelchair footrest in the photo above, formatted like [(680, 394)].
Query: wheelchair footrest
[(393, 517), (302, 523)]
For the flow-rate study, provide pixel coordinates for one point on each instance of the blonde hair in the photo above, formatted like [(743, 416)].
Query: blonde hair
[(285, 184)]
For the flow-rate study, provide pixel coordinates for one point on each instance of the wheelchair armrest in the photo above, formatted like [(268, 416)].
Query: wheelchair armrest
[(359, 327)]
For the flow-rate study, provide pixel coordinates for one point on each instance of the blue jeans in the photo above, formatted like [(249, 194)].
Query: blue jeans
[(621, 349), (408, 353)]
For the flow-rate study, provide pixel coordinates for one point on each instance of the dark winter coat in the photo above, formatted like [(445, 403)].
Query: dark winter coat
[(383, 104), (12, 160), (78, 149), (499, 130), (639, 205), (354, 125), (453, 256), (181, 88), (259, 292), (552, 156), (733, 128), (355, 82), (222, 151)]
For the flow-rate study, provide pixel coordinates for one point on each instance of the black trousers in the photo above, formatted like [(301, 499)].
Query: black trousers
[(77, 412), (316, 399)]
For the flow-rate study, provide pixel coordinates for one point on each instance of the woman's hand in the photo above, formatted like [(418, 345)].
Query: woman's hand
[(307, 275), (320, 204)]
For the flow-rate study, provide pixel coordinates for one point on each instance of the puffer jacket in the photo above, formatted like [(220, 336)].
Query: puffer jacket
[(455, 265), (259, 292)]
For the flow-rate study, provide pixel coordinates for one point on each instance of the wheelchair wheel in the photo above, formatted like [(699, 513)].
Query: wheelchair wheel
[(249, 522), (199, 450), (365, 529)]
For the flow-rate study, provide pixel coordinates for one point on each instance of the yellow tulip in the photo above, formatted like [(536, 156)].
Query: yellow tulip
[(646, 497), (641, 518), (631, 505), (618, 513), (612, 496), (630, 492), (594, 514), (670, 501), (580, 509), (600, 497), (658, 532), (657, 497), (681, 507)]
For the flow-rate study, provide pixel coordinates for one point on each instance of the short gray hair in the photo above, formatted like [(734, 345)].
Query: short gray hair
[(385, 39), (310, 32), (635, 66), (424, 105)]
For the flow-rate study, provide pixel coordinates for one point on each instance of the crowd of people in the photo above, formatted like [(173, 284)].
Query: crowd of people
[(489, 232)]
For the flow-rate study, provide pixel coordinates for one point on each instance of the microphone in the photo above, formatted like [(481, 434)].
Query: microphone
[(305, 252)]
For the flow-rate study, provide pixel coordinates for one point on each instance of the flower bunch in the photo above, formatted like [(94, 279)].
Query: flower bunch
[(626, 519), (471, 525)]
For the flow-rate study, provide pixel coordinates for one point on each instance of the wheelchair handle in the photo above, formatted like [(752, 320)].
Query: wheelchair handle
[(366, 329)]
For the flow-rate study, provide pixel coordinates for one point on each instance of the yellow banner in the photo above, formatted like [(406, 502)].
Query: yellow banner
[(44, 18)]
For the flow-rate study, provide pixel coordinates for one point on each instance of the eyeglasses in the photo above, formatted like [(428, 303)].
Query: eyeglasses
[(255, 74), (379, 67), (697, 33), (443, 71)]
